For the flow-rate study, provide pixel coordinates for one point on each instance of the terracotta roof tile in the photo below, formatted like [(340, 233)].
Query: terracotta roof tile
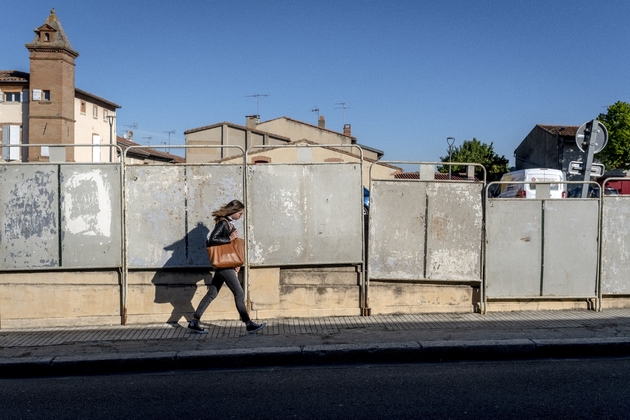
[(563, 130), (148, 152), (14, 76)]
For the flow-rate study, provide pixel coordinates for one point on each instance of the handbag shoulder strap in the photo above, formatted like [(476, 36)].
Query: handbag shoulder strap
[(228, 223)]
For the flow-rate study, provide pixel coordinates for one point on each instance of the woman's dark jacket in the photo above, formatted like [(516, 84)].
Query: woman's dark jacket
[(220, 234)]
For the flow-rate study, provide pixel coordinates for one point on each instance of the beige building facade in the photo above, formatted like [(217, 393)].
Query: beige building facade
[(298, 130), (282, 140), (226, 134)]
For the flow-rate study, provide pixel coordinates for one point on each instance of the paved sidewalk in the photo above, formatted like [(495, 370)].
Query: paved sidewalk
[(385, 339)]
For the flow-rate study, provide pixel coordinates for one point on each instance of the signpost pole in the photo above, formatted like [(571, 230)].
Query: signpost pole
[(590, 136)]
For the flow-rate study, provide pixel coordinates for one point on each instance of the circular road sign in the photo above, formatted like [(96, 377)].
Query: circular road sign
[(599, 136)]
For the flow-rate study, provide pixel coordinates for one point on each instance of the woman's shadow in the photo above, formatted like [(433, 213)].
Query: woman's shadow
[(176, 282)]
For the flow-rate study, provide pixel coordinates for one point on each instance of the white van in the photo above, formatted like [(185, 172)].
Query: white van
[(531, 176)]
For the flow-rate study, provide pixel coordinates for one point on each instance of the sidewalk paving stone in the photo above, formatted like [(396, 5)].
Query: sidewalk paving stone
[(375, 339)]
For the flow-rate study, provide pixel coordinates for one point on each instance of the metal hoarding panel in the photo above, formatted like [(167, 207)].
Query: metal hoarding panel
[(209, 187), (455, 222), (570, 248), (616, 245), (156, 213), (29, 221), (301, 214), (397, 230), (513, 248), (91, 216)]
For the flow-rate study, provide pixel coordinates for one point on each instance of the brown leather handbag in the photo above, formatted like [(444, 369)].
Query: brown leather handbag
[(230, 255)]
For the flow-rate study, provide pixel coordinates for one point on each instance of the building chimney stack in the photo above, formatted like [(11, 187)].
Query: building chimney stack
[(347, 131), (322, 122), (251, 121)]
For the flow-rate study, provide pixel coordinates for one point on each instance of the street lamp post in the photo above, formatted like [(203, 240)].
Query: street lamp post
[(111, 151), (450, 141)]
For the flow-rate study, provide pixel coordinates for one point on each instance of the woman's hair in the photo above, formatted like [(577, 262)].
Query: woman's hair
[(229, 209)]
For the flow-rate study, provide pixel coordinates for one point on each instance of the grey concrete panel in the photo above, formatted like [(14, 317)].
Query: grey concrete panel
[(301, 214), (571, 248), (397, 230), (29, 220), (91, 217), (455, 223), (513, 248), (615, 259), (155, 199), (209, 187)]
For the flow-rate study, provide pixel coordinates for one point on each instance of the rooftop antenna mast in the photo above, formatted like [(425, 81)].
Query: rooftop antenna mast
[(257, 96), (149, 138), (344, 107), (316, 109), (169, 135), (130, 128)]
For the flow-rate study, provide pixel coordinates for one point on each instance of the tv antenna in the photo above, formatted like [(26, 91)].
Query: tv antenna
[(344, 107), (148, 138), (257, 96), (316, 109), (133, 126), (169, 135)]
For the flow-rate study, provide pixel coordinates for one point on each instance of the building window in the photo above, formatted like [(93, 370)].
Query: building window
[(41, 95), (96, 151), (95, 111), (105, 114), (13, 97), (83, 107)]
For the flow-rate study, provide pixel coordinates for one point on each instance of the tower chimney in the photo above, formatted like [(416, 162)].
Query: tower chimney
[(347, 131), (322, 122), (251, 121)]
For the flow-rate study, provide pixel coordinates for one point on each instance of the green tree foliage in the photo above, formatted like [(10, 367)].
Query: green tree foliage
[(616, 154), (474, 151)]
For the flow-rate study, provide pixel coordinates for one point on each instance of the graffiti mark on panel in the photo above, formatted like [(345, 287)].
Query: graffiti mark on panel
[(29, 209), (87, 208)]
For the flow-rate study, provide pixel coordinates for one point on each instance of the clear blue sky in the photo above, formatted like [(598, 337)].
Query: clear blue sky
[(411, 72)]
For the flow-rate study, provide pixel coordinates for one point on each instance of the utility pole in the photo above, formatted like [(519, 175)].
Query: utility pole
[(450, 141)]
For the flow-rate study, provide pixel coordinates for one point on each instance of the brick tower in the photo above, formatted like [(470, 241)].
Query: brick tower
[(51, 102)]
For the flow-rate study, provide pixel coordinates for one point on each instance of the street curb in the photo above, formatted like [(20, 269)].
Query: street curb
[(327, 354), (582, 347), (478, 349)]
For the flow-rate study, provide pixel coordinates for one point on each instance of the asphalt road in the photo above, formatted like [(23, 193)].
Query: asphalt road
[(535, 389)]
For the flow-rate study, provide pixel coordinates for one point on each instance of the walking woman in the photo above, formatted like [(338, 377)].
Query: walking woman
[(224, 232)]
